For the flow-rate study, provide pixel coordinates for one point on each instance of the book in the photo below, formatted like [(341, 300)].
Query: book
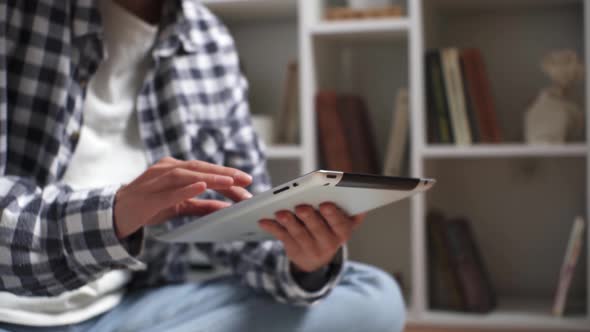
[(568, 266), (356, 121), (470, 107), (444, 288), (433, 130), (288, 118), (456, 96), (333, 145), (398, 135), (346, 13), (438, 108), (479, 89), (475, 283)]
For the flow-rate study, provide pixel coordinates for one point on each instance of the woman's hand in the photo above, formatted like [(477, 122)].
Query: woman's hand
[(311, 238), (167, 189)]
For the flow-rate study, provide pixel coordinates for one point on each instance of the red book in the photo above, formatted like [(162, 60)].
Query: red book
[(359, 134), (480, 92), (333, 147)]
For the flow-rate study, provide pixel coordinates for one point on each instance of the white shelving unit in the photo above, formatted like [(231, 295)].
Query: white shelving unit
[(521, 199)]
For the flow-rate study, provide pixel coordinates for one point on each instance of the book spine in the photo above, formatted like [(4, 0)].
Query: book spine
[(334, 148), (489, 111), (444, 286), (398, 136), (441, 100), (470, 106), (459, 96), (367, 137), (474, 281), (569, 265), (359, 134), (434, 129), (292, 107), (453, 103), (474, 89)]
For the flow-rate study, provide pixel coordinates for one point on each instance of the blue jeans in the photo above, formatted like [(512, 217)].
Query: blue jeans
[(366, 299)]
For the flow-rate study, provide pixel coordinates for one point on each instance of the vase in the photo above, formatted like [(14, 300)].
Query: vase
[(552, 120)]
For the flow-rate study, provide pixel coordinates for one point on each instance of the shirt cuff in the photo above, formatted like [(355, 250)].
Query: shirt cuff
[(310, 287), (90, 237)]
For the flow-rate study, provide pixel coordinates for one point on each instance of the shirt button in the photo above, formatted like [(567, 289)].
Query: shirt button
[(74, 137)]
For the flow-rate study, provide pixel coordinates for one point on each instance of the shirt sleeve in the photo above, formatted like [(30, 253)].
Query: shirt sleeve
[(265, 267), (54, 239)]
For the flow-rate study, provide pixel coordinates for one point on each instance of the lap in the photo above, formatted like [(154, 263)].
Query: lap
[(365, 297)]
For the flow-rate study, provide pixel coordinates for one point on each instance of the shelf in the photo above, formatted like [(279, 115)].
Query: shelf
[(252, 10), (284, 152), (362, 29), (505, 151), (528, 314), (501, 4)]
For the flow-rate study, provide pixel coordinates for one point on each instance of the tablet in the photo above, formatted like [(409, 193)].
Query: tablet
[(354, 193)]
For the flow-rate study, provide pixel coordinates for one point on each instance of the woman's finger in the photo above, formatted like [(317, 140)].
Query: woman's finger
[(162, 166), (179, 177), (240, 178), (236, 194), (295, 229), (167, 164), (201, 207), (190, 207), (281, 234), (340, 223), (317, 227), (359, 219), (165, 199)]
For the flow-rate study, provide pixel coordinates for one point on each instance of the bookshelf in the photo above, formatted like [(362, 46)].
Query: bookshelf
[(504, 151), (521, 218), (369, 28)]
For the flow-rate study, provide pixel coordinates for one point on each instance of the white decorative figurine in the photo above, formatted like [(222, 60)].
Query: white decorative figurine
[(554, 117)]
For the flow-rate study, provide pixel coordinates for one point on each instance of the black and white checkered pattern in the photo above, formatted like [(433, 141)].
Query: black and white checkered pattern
[(193, 105)]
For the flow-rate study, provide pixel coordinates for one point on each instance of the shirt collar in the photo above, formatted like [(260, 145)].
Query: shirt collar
[(86, 18), (181, 25)]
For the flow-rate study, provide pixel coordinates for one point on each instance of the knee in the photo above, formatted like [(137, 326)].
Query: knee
[(380, 297)]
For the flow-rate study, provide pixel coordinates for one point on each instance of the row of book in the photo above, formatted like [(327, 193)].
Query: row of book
[(458, 279), (460, 106), (345, 133), (346, 139)]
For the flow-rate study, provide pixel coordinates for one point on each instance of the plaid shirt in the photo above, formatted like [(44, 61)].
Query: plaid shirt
[(193, 105)]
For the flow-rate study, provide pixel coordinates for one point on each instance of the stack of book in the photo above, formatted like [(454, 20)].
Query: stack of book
[(460, 106), (458, 279)]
